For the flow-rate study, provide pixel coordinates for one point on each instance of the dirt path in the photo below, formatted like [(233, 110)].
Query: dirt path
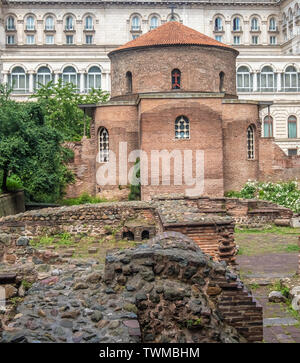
[(264, 259)]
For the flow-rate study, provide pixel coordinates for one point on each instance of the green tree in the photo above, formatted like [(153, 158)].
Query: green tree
[(60, 106), (32, 150)]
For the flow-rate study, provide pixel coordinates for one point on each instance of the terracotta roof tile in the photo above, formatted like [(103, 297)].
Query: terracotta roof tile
[(172, 33)]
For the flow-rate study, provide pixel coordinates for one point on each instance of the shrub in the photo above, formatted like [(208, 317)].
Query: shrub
[(286, 194), (84, 198)]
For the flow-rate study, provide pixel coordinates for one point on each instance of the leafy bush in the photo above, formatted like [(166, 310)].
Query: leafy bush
[(286, 194), (84, 198), (13, 182)]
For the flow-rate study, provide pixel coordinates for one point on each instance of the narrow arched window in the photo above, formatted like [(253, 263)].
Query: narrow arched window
[(244, 79), (135, 24), (88, 23), (254, 24), (103, 145), (30, 23), (69, 23), (43, 77), (250, 142), (221, 84), (182, 128), (268, 126), (236, 24), (292, 127), (153, 22), (10, 23), (49, 24), (218, 24), (128, 82), (93, 80), (176, 79), (272, 24)]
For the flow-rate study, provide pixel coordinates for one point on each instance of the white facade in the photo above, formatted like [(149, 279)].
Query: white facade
[(42, 40)]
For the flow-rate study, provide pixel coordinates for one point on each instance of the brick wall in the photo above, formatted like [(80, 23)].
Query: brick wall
[(200, 68)]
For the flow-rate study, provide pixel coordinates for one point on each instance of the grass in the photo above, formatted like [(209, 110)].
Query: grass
[(84, 198), (82, 243), (272, 240), (272, 229)]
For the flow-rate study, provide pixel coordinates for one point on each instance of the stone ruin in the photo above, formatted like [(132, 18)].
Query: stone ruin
[(165, 290), (182, 295)]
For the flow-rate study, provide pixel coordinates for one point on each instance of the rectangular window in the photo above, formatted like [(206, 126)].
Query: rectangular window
[(273, 40), (88, 39), (30, 39), (219, 38), (49, 39), (69, 39), (292, 152), (254, 39), (292, 130), (236, 40), (10, 39)]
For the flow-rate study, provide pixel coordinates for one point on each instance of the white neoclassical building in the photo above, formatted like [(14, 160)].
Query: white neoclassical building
[(44, 40)]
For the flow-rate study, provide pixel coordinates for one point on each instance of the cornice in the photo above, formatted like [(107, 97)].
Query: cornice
[(222, 3)]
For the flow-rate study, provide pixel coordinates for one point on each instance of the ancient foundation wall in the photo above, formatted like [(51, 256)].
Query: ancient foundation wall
[(12, 203)]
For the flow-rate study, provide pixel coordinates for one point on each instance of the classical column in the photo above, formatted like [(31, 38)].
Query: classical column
[(255, 75), (5, 77), (81, 81), (279, 82), (30, 81), (56, 76)]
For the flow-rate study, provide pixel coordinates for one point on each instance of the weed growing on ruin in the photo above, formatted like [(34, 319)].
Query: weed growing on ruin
[(84, 198), (26, 284)]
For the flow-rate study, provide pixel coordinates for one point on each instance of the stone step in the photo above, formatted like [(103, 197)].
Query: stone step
[(280, 321)]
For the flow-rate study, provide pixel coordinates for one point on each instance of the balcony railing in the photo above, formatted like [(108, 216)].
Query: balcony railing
[(218, 29), (135, 28)]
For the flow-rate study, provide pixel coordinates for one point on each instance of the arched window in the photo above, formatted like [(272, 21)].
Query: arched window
[(93, 78), (244, 79), (250, 142), (18, 80), (135, 23), (69, 75), (236, 24), (254, 24), (145, 235), (267, 80), (89, 23), (103, 145), (290, 79), (129, 82), (69, 23), (268, 126), (43, 77), (272, 24), (10, 23), (153, 22), (221, 82), (30, 23), (176, 79), (218, 24), (49, 24), (292, 127), (182, 128)]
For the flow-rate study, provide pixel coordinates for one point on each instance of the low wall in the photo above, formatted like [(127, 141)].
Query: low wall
[(12, 203)]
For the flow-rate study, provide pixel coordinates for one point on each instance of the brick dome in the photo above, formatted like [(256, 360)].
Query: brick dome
[(172, 33)]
